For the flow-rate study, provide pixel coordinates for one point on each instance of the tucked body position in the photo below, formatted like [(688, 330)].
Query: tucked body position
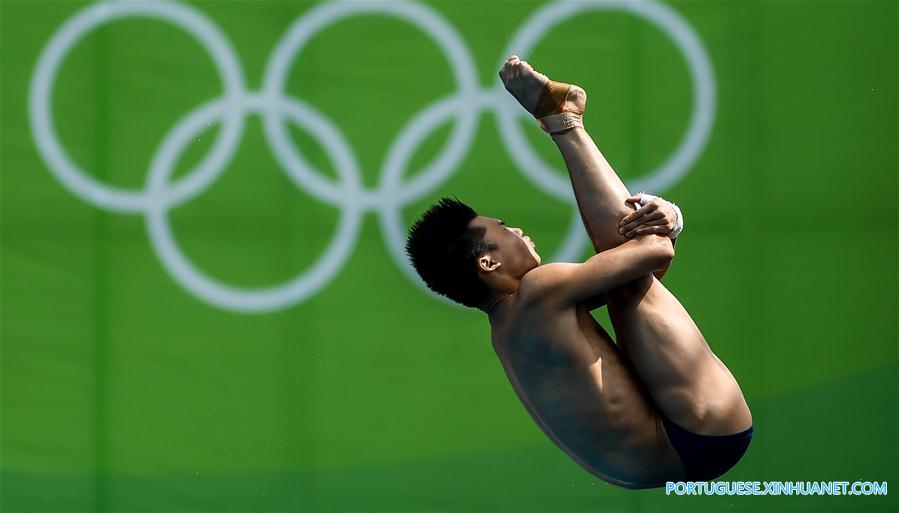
[(656, 404)]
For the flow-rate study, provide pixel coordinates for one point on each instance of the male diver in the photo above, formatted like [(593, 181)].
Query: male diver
[(657, 406)]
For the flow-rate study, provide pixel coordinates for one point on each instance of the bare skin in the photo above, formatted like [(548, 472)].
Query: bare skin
[(598, 401), (569, 374)]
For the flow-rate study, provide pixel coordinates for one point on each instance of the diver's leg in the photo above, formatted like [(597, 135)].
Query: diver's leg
[(600, 193), (686, 380)]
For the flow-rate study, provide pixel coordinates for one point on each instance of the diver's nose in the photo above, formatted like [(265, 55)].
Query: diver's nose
[(519, 231)]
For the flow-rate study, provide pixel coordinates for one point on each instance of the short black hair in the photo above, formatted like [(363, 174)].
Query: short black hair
[(444, 251)]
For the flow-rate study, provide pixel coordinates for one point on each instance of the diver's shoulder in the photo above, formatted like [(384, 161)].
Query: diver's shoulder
[(539, 285)]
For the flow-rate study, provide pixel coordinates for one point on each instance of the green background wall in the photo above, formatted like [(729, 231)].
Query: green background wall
[(124, 391)]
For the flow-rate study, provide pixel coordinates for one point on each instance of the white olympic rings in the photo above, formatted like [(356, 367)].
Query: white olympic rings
[(161, 192)]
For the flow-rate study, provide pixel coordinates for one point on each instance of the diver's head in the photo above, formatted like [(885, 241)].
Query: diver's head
[(467, 257)]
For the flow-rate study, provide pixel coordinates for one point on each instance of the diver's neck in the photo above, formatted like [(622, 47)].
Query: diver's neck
[(492, 305)]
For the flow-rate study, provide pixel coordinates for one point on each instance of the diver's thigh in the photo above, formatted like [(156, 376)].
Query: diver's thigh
[(686, 380)]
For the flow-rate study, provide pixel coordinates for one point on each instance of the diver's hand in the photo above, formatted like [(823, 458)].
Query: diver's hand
[(656, 216)]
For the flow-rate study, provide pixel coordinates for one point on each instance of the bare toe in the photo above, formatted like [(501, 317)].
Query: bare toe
[(523, 82)]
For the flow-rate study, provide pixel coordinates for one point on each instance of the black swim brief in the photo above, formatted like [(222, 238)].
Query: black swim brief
[(706, 457)]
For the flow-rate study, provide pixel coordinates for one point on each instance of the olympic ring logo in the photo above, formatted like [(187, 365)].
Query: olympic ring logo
[(162, 193)]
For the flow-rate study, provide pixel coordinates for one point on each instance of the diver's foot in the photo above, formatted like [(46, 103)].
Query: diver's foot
[(555, 104)]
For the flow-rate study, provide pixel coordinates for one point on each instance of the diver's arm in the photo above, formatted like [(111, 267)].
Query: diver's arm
[(569, 284)]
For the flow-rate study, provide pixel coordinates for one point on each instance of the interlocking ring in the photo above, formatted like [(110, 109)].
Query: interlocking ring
[(161, 192)]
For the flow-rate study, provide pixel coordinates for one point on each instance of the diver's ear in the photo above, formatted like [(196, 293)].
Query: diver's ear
[(487, 264)]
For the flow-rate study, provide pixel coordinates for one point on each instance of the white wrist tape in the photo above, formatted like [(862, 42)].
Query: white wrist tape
[(678, 225)]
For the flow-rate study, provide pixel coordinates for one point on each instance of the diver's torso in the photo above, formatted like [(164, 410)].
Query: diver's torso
[(570, 377)]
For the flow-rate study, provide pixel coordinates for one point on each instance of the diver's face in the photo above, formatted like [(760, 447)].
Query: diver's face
[(515, 250)]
